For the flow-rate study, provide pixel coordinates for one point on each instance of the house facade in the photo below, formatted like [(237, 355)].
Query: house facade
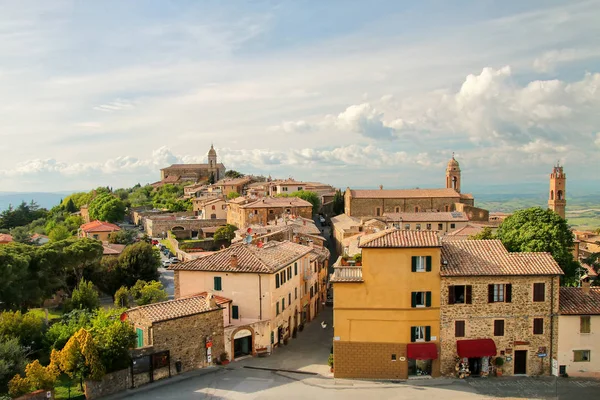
[(211, 208), (498, 304), (243, 211), (579, 328), (387, 312), (178, 173), (237, 185), (98, 230), (441, 222)]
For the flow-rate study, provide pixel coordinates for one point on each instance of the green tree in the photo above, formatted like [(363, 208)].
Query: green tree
[(70, 206), (485, 234), (84, 297), (14, 270), (309, 196), (124, 236), (148, 292), (79, 199), (233, 174), (338, 203), (28, 328), (226, 232), (22, 215), (233, 195), (535, 229), (169, 197), (113, 339), (60, 332), (59, 232), (21, 234), (80, 257), (122, 297), (106, 207), (138, 261), (13, 359)]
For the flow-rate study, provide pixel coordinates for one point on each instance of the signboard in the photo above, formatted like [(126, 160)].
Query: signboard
[(160, 360), (542, 355), (141, 365), (555, 367), (336, 338)]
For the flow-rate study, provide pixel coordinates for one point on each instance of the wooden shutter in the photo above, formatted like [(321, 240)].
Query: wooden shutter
[(459, 328), (295, 268), (538, 326), (451, 295), (234, 312), (499, 327), (508, 294), (276, 280), (140, 337), (217, 283), (277, 308), (428, 299), (413, 299), (413, 336), (427, 333), (490, 293), (428, 263), (468, 294), (414, 263), (539, 290)]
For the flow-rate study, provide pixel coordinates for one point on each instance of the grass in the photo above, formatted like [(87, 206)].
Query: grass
[(52, 313), (61, 390)]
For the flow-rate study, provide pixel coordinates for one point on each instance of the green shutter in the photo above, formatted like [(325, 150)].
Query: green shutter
[(414, 264), (277, 281), (413, 337), (234, 312), (427, 333), (428, 265), (140, 337), (295, 268), (428, 299), (413, 299), (217, 283), (277, 308)]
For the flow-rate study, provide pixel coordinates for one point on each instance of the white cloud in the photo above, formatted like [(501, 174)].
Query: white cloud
[(117, 105), (550, 60), (293, 127), (366, 120)]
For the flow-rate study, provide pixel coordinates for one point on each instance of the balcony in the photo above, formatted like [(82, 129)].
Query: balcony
[(347, 274)]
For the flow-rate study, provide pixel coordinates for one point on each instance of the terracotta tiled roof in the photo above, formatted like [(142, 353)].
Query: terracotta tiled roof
[(5, 237), (454, 216), (319, 253), (170, 179), (99, 226), (344, 221), (573, 301), (190, 166), (268, 202), (250, 258), (233, 182), (464, 232), (399, 238), (111, 249), (490, 257), (589, 270), (218, 299), (172, 309), (405, 193)]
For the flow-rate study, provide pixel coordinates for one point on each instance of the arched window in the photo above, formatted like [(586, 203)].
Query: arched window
[(213, 207), (454, 182), (416, 208), (552, 195), (559, 195)]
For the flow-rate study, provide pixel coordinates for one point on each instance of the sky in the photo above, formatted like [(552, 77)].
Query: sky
[(352, 93)]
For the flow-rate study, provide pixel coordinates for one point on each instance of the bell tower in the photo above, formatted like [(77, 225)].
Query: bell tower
[(453, 175), (558, 184)]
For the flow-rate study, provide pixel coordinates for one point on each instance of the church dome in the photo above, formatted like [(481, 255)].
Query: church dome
[(453, 163), (212, 151)]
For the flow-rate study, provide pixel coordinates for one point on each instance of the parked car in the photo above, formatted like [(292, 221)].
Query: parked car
[(166, 263), (154, 242), (174, 260), (322, 219)]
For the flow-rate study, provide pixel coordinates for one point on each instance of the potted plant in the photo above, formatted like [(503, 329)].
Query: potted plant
[(223, 358), (330, 361), (499, 362)]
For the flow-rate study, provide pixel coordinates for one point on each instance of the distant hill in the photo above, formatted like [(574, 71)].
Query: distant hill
[(46, 200)]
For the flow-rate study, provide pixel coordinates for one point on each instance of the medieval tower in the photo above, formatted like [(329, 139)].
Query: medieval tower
[(453, 175), (557, 197)]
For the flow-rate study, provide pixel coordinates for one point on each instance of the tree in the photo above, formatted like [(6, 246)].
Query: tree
[(84, 297), (14, 269), (113, 338), (211, 178), (21, 234), (13, 358), (59, 232), (485, 234), (60, 332), (79, 358), (81, 256), (106, 207), (138, 261), (148, 292), (226, 232), (27, 328), (70, 206), (309, 196), (22, 215), (36, 377), (233, 195), (124, 236), (169, 197), (233, 174), (122, 297), (338, 203), (535, 229)]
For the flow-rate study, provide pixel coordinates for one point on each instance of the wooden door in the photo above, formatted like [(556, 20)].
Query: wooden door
[(520, 362)]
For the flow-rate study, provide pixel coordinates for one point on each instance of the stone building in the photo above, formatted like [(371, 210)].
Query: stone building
[(579, 331), (188, 327), (376, 203), (441, 222), (243, 211), (178, 173), (236, 185), (557, 198), (210, 208), (498, 304)]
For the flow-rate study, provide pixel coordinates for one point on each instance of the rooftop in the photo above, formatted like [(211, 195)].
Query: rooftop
[(464, 232), (490, 257), (5, 237), (233, 181), (268, 202), (405, 193), (574, 301), (99, 226), (344, 221), (111, 249), (397, 238), (454, 216), (191, 166), (178, 308)]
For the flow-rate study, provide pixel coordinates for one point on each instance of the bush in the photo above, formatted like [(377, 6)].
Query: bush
[(499, 361), (148, 292), (85, 297), (122, 297), (330, 360)]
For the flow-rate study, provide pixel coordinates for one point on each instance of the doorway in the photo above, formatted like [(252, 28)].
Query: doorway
[(242, 346), (475, 366), (520, 362)]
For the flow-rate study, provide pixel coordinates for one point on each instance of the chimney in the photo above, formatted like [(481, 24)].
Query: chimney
[(585, 285), (234, 261), (210, 300), (380, 187)]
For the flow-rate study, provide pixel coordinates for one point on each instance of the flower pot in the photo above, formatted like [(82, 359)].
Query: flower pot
[(224, 362), (331, 369), (498, 372)]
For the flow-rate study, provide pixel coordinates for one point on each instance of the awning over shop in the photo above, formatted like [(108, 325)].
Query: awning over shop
[(475, 348), (422, 351)]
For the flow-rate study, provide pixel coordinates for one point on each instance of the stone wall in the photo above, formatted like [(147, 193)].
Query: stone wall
[(474, 213), (37, 395), (111, 383), (367, 207), (155, 227), (369, 360), (518, 318)]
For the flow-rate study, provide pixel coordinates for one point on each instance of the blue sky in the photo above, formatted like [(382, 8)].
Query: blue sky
[(347, 92)]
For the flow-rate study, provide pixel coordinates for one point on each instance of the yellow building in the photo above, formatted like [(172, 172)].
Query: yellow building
[(387, 311)]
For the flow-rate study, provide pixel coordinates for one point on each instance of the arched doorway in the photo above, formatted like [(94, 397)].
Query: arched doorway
[(242, 342)]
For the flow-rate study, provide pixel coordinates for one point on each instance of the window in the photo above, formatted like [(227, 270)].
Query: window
[(213, 207), (140, 337), (421, 263), (96, 237), (585, 324), (283, 304), (397, 209), (378, 211), (276, 281), (283, 275), (290, 298), (295, 268), (538, 326), (218, 283), (407, 226), (393, 357), (459, 328), (539, 291), (440, 227), (418, 227), (500, 293), (234, 312), (420, 334), (417, 209), (460, 294), (289, 272), (311, 292), (277, 308), (447, 208), (299, 188), (428, 227), (452, 226), (295, 293), (498, 327), (420, 299), (581, 355)]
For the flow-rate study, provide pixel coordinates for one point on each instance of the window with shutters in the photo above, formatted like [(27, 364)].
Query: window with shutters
[(282, 304), (440, 227), (421, 263), (234, 312), (420, 299), (420, 334), (460, 294), (277, 308), (217, 283), (581, 355), (498, 327), (295, 268), (500, 293), (538, 326), (276, 281), (459, 328), (539, 292), (585, 325), (140, 337)]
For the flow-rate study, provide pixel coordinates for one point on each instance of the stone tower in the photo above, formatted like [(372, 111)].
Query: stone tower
[(558, 184), (453, 175), (212, 157)]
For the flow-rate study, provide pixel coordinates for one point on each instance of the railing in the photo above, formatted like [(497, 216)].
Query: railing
[(347, 273)]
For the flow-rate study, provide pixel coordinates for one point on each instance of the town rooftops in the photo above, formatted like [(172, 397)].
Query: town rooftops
[(397, 238), (490, 257), (190, 166), (178, 308), (218, 299), (233, 181), (5, 238), (112, 249), (99, 226), (404, 193), (247, 258), (277, 202), (463, 233), (574, 301), (453, 216), (344, 222)]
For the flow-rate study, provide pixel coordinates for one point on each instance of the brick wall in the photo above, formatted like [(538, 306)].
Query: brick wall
[(111, 383), (366, 207), (369, 360), (37, 395)]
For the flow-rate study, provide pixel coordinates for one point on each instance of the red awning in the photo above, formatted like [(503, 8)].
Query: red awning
[(476, 348), (422, 351)]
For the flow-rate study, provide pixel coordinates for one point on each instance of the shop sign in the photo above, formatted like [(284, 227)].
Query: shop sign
[(542, 355), (508, 359)]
